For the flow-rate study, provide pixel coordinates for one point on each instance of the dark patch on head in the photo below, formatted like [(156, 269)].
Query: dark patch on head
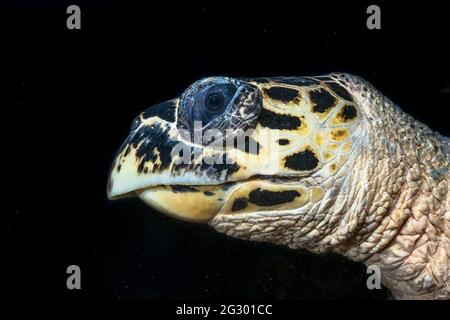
[(271, 198), (322, 99), (340, 91), (182, 189), (348, 112), (165, 110), (281, 93), (283, 142), (127, 150), (239, 204), (119, 167), (249, 145), (149, 141), (274, 120), (208, 193), (304, 160)]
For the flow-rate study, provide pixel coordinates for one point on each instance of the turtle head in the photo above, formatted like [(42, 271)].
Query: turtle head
[(241, 154)]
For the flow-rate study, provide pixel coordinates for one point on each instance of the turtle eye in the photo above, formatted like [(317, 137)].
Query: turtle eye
[(211, 102), (218, 103), (214, 102)]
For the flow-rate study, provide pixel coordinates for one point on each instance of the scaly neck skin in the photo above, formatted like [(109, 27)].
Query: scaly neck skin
[(404, 226), (400, 212), (389, 206)]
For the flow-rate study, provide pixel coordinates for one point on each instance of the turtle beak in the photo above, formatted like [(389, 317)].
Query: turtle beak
[(146, 150), (145, 166), (165, 193)]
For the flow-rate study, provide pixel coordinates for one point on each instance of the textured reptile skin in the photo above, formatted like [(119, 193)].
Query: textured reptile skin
[(385, 203)]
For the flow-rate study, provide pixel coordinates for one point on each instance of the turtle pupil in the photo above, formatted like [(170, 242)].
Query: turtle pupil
[(214, 102)]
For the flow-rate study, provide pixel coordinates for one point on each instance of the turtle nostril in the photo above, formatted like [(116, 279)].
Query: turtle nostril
[(135, 123)]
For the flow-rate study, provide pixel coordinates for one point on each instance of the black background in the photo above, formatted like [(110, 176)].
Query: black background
[(75, 93)]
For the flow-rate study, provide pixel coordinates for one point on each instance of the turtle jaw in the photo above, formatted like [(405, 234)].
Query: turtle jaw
[(186, 197), (190, 203), (193, 202), (203, 203)]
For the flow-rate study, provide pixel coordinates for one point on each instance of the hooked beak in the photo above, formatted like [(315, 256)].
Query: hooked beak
[(146, 167)]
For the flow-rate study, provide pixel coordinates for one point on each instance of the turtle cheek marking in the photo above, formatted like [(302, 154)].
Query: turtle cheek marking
[(322, 100), (283, 142), (239, 204), (347, 114), (273, 120), (266, 198), (246, 144), (281, 93), (340, 91), (302, 161)]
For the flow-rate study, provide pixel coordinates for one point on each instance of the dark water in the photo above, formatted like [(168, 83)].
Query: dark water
[(76, 93)]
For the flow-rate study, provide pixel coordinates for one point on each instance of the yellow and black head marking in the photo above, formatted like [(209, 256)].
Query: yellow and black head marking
[(288, 134), (324, 163)]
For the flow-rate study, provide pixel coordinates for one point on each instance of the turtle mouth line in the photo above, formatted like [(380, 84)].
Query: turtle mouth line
[(225, 185), (202, 202)]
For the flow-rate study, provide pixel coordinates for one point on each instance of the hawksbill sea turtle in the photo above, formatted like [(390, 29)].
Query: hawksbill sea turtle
[(327, 163)]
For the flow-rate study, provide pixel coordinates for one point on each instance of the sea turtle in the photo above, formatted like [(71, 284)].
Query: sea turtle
[(322, 163)]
